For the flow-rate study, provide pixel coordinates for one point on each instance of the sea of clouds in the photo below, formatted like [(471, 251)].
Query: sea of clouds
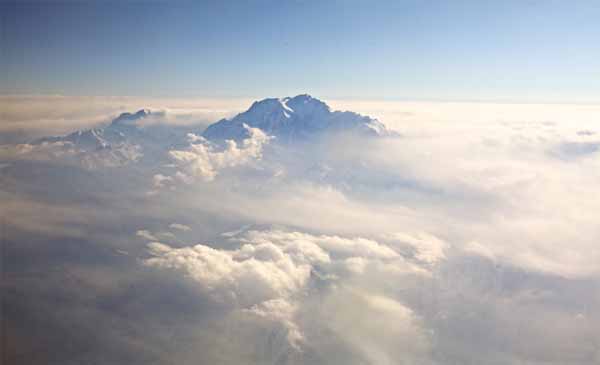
[(473, 238)]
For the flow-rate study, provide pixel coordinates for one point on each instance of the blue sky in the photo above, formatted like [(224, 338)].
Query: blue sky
[(455, 50)]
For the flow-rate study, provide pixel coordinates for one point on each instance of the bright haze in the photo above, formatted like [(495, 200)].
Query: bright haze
[(300, 182)]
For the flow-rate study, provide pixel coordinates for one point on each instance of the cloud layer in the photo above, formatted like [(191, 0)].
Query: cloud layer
[(472, 239)]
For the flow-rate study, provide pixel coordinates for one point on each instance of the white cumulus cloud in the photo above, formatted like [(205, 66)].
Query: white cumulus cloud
[(204, 160)]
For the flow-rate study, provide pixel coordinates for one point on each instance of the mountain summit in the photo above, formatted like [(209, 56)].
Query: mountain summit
[(294, 118), (129, 118)]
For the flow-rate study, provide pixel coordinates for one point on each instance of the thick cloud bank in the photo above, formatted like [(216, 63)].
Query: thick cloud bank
[(470, 236), (272, 274), (202, 160)]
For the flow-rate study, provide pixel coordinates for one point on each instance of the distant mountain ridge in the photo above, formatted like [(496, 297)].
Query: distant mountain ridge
[(127, 128), (126, 139), (134, 137), (289, 119)]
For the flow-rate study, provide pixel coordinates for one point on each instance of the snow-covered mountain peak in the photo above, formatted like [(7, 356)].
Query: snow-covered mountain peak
[(294, 118), (301, 105), (131, 118), (307, 105)]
